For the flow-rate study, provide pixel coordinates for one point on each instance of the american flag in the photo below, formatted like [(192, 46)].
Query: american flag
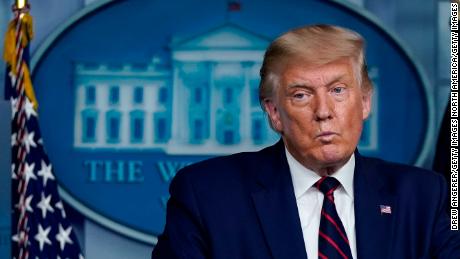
[(40, 228), (384, 209)]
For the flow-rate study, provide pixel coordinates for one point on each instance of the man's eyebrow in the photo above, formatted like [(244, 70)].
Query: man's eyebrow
[(334, 80), (298, 85)]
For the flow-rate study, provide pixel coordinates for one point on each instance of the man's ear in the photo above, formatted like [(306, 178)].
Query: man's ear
[(273, 114), (367, 103)]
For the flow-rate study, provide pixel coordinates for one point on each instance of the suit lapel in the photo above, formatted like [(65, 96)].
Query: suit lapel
[(374, 229), (276, 206)]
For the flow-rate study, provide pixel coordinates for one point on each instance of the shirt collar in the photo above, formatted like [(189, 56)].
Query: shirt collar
[(304, 178)]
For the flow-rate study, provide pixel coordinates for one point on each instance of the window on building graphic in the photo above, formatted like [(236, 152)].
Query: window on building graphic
[(114, 95), (255, 97), (257, 130), (89, 125), (90, 130), (228, 95), (113, 121), (161, 128), (138, 95), (163, 95), (90, 95), (198, 130), (137, 126), (198, 95), (229, 137)]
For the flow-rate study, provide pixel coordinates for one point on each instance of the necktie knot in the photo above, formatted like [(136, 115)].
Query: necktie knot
[(327, 185)]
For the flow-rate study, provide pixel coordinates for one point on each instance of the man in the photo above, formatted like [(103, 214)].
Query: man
[(311, 194)]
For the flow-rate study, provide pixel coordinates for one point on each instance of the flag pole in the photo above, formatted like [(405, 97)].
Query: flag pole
[(40, 227), (20, 9)]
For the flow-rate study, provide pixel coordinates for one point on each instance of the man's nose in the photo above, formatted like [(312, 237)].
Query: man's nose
[(324, 107)]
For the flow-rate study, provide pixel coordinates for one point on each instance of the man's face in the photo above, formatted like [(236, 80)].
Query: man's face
[(319, 112)]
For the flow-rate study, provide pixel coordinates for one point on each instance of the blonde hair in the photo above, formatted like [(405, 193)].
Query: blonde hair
[(316, 45)]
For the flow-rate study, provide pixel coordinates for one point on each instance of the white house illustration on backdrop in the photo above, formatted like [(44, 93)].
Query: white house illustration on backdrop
[(205, 102)]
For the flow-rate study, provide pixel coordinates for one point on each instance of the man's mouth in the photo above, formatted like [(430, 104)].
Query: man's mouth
[(326, 136)]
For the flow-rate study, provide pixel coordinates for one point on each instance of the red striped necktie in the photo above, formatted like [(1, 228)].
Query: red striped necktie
[(332, 240)]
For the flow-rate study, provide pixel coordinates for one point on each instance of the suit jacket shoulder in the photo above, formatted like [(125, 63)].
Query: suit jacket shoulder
[(403, 179), (232, 172)]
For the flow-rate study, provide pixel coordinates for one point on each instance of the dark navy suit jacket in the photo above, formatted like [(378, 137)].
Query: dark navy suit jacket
[(243, 206)]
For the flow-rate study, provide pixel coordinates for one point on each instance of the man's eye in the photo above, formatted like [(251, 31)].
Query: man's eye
[(299, 95), (338, 90)]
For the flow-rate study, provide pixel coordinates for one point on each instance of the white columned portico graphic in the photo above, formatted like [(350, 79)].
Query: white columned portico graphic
[(199, 100)]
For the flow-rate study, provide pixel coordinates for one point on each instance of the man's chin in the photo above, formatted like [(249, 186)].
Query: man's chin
[(333, 157)]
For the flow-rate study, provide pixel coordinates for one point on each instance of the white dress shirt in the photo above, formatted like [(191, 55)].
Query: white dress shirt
[(310, 201)]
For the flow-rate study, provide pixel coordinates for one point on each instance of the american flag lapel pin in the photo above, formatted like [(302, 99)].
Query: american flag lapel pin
[(385, 209)]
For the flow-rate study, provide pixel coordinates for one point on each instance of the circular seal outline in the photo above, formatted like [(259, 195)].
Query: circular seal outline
[(151, 239)]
